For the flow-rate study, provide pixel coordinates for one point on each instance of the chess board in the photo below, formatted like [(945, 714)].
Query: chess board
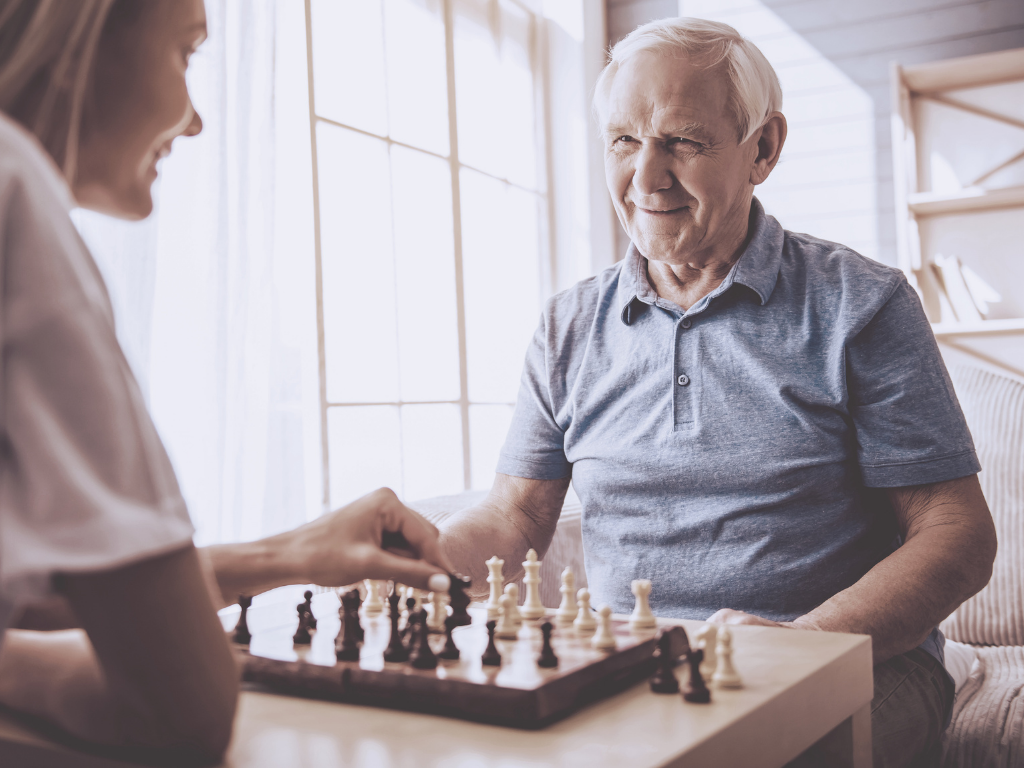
[(518, 693)]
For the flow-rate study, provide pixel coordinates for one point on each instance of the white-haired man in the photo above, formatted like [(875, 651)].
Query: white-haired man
[(759, 421)]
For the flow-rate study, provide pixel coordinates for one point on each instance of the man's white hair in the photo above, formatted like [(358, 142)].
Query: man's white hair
[(755, 90)]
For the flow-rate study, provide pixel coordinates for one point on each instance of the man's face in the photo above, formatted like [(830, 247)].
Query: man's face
[(679, 179)]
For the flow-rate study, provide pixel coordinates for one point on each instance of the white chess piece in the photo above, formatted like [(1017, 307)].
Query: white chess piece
[(438, 610), (705, 639), (725, 675), (512, 590), (506, 629), (373, 606), (642, 617), (494, 578), (567, 610), (585, 621), (604, 640), (532, 608)]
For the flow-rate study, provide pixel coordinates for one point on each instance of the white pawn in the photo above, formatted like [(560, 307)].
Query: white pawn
[(725, 673), (438, 610), (567, 609), (373, 606), (512, 590), (604, 640), (494, 578), (506, 629), (532, 608), (585, 621), (642, 617), (705, 639)]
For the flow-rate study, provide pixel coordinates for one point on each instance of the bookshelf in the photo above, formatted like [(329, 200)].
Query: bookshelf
[(958, 171)]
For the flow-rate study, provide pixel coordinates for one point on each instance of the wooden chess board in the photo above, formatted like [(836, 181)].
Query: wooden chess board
[(518, 693)]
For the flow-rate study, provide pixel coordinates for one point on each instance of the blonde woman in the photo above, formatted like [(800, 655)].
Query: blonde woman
[(92, 95)]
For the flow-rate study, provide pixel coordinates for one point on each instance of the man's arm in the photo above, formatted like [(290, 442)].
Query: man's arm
[(949, 545), (517, 515)]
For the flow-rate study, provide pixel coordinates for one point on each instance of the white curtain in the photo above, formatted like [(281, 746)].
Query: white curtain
[(215, 292)]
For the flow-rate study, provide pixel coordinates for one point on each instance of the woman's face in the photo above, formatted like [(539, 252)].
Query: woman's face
[(140, 105)]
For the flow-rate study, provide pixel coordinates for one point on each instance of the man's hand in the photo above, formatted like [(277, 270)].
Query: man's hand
[(375, 537), (729, 616)]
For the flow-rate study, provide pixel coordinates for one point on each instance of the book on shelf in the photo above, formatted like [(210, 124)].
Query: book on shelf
[(962, 295)]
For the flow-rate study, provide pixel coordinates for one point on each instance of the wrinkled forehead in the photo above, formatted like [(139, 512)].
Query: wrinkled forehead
[(652, 87)]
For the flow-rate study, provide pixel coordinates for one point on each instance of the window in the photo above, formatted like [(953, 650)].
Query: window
[(433, 223)]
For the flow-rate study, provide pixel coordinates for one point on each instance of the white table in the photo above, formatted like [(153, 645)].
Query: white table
[(798, 686)]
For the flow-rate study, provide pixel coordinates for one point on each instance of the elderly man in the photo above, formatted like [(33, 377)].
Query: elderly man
[(758, 421)]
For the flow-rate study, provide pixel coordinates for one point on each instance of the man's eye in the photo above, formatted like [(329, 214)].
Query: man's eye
[(624, 139)]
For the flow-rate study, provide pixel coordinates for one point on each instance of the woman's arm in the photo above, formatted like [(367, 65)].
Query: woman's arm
[(152, 667)]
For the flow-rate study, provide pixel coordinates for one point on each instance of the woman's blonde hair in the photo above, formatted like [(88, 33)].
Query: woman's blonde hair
[(47, 57)]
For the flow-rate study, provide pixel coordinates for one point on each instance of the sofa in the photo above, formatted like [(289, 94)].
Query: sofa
[(985, 636)]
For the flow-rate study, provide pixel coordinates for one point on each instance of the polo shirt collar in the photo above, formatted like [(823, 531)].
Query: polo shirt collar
[(757, 268)]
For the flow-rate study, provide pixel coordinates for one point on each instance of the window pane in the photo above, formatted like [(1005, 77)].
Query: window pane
[(348, 63), (431, 451), (488, 425), (501, 267), (494, 89), (417, 77), (425, 263), (365, 451), (358, 267)]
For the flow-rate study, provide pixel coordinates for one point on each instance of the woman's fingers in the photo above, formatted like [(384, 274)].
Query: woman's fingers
[(420, 533)]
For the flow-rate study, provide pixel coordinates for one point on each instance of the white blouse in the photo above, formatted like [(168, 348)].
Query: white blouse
[(85, 483)]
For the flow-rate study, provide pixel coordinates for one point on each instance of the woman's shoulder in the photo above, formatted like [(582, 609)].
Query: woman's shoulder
[(25, 166)]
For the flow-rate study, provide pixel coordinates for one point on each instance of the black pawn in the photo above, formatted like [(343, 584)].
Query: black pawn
[(307, 606), (422, 656), (396, 650), (347, 645), (410, 612), (451, 651), (302, 636), (696, 691), (547, 657), (460, 599), (664, 679), (491, 657), (241, 634)]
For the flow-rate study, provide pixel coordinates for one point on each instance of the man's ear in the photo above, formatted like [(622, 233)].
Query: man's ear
[(770, 138)]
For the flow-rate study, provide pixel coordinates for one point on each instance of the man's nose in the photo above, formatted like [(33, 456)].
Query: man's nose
[(651, 173)]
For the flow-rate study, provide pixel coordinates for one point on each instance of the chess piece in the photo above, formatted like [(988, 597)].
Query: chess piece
[(415, 595), (567, 610), (451, 651), (302, 636), (585, 622), (725, 675), (307, 606), (664, 679), (642, 617), (422, 655), (373, 606), (491, 657), (347, 645), (706, 640), (438, 612), (696, 691), (396, 650), (512, 590), (547, 658), (355, 600), (532, 608), (409, 612), (494, 578), (506, 628), (459, 599), (241, 634), (604, 640)]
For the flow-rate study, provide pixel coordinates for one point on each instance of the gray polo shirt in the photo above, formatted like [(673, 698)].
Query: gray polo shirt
[(733, 453)]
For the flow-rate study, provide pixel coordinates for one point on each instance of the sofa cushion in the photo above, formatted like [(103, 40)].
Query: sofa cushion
[(994, 407)]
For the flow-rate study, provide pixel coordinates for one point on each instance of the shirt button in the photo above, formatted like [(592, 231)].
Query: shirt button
[(683, 380), (686, 323)]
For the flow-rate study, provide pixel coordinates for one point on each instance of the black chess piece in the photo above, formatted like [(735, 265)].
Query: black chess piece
[(422, 655), (307, 606), (241, 634), (396, 650), (347, 645), (460, 599), (664, 679), (696, 690), (410, 610), (547, 656), (302, 636), (354, 601), (451, 650), (491, 657)]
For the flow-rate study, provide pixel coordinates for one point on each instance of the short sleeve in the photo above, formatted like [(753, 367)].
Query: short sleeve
[(535, 446), (85, 483), (906, 418)]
